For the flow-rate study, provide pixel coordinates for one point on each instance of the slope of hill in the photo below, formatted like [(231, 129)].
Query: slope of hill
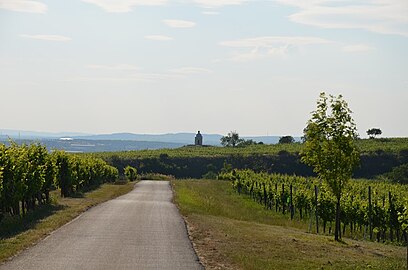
[(183, 138), (87, 146)]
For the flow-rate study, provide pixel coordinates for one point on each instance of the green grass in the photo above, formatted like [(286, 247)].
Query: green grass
[(18, 233), (233, 232), (390, 145)]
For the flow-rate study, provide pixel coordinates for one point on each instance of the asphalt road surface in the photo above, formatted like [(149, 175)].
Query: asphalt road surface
[(140, 230)]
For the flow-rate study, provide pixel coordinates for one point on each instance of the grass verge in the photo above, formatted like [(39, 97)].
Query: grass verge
[(233, 232), (17, 234)]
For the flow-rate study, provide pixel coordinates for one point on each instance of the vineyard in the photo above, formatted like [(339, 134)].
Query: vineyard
[(378, 156), (366, 146), (29, 172), (372, 210)]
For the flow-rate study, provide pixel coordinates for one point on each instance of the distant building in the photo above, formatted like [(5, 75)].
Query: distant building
[(198, 139)]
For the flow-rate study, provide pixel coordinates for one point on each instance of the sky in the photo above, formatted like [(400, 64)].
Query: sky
[(165, 66)]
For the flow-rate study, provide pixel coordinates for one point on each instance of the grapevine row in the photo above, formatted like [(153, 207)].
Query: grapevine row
[(377, 210), (29, 172)]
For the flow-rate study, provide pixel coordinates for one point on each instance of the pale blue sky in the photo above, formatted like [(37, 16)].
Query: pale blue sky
[(159, 66)]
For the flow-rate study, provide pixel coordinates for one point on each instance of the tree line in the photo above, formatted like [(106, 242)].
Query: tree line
[(29, 172)]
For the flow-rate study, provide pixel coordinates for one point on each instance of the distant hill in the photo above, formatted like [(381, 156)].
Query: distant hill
[(24, 134), (87, 146), (169, 140), (184, 138)]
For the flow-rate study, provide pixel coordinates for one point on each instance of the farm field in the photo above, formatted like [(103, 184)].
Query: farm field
[(378, 156), (366, 146), (234, 232)]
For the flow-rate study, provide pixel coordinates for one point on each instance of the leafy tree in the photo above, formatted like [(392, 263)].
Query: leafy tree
[(286, 139), (130, 173), (231, 139), (372, 132), (329, 146)]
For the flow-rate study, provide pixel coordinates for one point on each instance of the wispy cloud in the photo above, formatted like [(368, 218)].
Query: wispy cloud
[(23, 6), (379, 16), (218, 3), (158, 37), (358, 48), (135, 77), (47, 37), (272, 41), (210, 12), (261, 47), (179, 23), (124, 5), (119, 67), (190, 70), (122, 73), (128, 5)]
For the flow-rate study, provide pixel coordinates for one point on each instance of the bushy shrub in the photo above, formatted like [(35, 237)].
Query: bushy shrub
[(130, 173)]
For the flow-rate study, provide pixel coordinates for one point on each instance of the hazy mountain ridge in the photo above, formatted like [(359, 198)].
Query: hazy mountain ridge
[(181, 137), (81, 142), (26, 134), (88, 146), (185, 138)]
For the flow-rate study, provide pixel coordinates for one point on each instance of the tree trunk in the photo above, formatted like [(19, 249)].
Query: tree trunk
[(47, 196), (337, 227), (406, 242), (344, 228), (22, 207)]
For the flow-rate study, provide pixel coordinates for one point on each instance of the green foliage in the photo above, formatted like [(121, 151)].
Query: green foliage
[(231, 139), (29, 172), (366, 146), (130, 173), (329, 147), (210, 175), (286, 139), (372, 132), (399, 174), (156, 176), (235, 233), (403, 216), (272, 190)]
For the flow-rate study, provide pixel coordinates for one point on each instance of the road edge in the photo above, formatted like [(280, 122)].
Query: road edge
[(187, 226)]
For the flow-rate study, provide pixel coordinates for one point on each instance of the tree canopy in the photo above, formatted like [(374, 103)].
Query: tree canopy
[(329, 146), (231, 139), (372, 132), (286, 139)]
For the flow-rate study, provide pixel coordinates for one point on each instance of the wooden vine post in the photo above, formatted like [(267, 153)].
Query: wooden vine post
[(370, 213), (283, 198), (317, 215), (292, 212)]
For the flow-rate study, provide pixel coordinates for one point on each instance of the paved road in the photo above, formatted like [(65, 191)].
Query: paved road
[(140, 230)]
